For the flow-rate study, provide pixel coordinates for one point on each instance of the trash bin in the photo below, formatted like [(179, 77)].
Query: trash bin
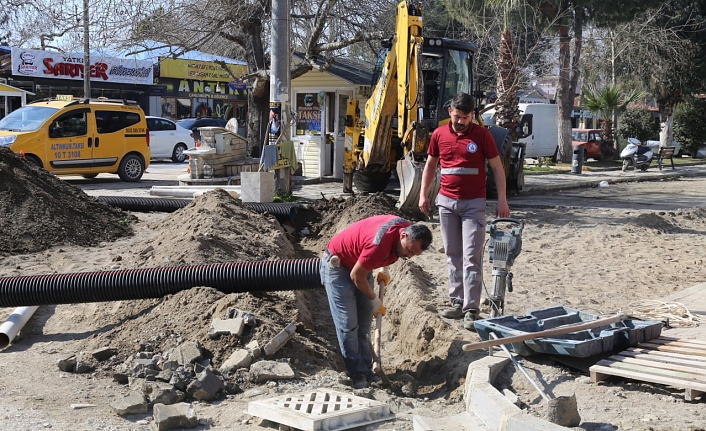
[(577, 160)]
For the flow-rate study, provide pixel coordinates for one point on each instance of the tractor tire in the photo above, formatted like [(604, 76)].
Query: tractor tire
[(505, 150), (371, 182)]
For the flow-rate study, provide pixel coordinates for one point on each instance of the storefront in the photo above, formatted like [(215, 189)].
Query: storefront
[(320, 99), (195, 88), (47, 74)]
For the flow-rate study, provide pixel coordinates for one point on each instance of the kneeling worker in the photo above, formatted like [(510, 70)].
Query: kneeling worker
[(346, 272)]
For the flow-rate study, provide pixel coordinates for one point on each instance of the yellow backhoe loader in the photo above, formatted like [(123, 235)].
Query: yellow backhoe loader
[(415, 80)]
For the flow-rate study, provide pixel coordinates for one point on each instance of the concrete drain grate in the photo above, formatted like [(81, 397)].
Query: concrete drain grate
[(321, 409)]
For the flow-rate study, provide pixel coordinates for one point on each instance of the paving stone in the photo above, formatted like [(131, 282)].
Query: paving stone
[(270, 370), (221, 327), (132, 403), (167, 417)]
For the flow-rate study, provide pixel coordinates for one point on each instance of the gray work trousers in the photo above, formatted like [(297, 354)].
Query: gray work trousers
[(463, 232)]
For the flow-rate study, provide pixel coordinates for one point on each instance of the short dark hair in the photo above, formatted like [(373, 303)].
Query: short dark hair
[(463, 102), (419, 232)]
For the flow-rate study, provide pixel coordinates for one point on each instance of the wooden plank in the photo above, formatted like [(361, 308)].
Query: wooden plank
[(653, 371), (694, 344), (655, 356), (679, 339), (675, 349), (635, 375), (642, 360), (667, 354)]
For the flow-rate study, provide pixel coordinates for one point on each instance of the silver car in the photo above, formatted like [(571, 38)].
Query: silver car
[(168, 139)]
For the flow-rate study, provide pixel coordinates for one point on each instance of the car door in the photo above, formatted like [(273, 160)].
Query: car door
[(593, 146), (70, 143), (161, 137)]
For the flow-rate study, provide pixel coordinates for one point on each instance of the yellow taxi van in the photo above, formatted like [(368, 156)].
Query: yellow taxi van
[(72, 136)]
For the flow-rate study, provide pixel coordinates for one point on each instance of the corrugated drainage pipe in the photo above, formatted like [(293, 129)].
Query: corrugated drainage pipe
[(282, 211), (14, 324), (236, 277)]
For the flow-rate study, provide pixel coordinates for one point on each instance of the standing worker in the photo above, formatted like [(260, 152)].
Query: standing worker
[(463, 147), (346, 272)]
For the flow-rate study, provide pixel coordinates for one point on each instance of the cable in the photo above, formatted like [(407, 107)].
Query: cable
[(674, 314)]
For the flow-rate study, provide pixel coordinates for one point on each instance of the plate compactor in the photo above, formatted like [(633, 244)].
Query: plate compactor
[(503, 247)]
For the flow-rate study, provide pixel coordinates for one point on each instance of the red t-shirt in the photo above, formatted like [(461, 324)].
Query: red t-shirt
[(469, 150), (372, 241)]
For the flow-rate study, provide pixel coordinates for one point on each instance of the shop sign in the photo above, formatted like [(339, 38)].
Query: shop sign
[(308, 114), (198, 70), (44, 64), (211, 90)]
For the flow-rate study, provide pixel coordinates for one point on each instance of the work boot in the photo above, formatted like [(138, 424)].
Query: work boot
[(359, 381), (455, 312), (468, 320)]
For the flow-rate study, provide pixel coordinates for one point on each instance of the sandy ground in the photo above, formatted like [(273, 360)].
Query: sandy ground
[(599, 260)]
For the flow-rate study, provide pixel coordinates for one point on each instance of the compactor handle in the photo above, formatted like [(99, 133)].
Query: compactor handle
[(509, 220)]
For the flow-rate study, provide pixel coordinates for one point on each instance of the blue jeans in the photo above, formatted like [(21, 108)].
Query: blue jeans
[(352, 314)]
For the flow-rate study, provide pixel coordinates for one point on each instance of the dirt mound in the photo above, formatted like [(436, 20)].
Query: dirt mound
[(40, 211), (337, 214), (215, 228)]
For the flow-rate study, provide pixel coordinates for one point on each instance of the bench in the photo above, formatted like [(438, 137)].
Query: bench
[(664, 154)]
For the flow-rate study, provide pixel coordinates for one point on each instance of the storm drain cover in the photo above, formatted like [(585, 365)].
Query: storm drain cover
[(321, 409)]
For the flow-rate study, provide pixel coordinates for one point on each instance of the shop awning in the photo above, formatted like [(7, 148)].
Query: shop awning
[(9, 90)]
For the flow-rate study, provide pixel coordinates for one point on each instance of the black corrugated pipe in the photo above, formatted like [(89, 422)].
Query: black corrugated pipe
[(281, 211), (236, 277)]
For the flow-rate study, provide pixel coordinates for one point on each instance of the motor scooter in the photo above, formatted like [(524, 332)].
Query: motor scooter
[(636, 154)]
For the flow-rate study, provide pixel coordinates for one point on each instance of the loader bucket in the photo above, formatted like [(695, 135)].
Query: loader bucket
[(409, 173)]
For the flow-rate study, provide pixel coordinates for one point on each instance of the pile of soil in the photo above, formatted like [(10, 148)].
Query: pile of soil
[(40, 211)]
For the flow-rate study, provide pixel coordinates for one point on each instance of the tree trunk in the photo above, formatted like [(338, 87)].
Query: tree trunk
[(507, 109), (666, 120), (568, 79), (607, 150)]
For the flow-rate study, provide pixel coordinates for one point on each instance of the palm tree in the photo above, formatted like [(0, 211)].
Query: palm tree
[(606, 101), (508, 114)]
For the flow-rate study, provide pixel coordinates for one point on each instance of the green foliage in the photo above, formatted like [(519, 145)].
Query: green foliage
[(638, 123), (281, 196), (606, 100), (689, 127)]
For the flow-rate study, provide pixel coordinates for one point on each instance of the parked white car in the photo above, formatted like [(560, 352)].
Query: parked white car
[(168, 139)]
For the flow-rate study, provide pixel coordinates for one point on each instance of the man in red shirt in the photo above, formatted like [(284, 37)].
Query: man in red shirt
[(462, 147), (346, 272)]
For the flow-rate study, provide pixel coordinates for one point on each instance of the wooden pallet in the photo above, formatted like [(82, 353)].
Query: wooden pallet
[(675, 362)]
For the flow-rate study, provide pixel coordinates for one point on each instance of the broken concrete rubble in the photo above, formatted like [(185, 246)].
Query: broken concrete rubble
[(280, 339), (132, 403), (167, 417), (240, 358), (270, 370), (207, 386)]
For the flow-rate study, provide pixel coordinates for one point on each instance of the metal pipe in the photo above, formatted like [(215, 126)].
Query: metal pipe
[(14, 324), (144, 283), (521, 368)]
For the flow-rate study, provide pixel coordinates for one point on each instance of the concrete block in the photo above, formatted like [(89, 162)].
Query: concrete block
[(240, 358), (280, 339), (525, 422), (226, 327), (461, 422), (491, 406), (270, 370), (257, 186), (174, 416)]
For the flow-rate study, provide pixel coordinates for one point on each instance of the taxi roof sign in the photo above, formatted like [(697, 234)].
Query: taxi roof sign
[(65, 97)]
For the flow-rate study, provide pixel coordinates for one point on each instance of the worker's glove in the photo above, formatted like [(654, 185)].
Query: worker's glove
[(383, 277), (378, 308)]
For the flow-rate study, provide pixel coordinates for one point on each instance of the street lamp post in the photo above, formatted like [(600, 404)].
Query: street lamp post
[(86, 54)]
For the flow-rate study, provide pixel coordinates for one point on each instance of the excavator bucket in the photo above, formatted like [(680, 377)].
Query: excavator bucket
[(409, 172)]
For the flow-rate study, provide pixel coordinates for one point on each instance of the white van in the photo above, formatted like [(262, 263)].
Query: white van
[(543, 141)]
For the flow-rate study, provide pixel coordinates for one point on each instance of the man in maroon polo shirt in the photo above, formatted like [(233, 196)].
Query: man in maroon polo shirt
[(462, 148), (346, 272)]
